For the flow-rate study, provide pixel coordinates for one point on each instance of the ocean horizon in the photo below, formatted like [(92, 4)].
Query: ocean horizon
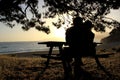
[(21, 46), (33, 46)]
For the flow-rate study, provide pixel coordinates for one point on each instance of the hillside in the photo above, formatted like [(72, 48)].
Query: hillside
[(114, 37)]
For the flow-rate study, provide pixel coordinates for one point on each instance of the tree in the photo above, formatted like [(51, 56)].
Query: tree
[(95, 10), (17, 11)]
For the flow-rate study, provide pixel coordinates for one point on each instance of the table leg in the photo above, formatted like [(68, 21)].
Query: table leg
[(46, 64), (60, 50), (66, 66), (49, 55), (100, 65)]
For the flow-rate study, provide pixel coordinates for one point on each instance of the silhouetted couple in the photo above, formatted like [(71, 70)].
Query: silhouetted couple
[(80, 41)]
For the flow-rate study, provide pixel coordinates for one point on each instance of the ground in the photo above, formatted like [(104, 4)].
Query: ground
[(26, 67)]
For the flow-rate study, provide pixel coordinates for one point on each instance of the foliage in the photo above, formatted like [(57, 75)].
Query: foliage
[(17, 11), (95, 10)]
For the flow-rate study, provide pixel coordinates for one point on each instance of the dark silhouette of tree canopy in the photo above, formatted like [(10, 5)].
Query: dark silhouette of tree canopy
[(12, 11), (95, 10), (18, 11)]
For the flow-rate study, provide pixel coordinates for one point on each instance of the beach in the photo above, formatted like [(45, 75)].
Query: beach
[(27, 66)]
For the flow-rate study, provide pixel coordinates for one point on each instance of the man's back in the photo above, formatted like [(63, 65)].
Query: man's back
[(75, 37)]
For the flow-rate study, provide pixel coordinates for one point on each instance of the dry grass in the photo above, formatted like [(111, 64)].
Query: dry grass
[(27, 68), (14, 68)]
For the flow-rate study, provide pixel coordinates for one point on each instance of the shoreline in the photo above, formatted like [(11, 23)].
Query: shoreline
[(29, 54)]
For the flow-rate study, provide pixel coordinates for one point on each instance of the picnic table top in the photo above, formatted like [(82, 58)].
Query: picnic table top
[(58, 43)]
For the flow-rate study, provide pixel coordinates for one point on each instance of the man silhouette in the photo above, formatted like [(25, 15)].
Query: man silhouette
[(78, 37)]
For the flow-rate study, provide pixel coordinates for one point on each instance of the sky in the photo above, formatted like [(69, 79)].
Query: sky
[(8, 34)]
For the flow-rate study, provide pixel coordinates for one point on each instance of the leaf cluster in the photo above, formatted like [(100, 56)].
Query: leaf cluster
[(94, 10), (26, 12)]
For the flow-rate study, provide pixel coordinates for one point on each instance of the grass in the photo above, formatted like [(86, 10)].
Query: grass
[(27, 68), (14, 68)]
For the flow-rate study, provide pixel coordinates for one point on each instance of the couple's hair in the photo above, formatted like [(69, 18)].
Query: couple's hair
[(79, 20), (88, 24)]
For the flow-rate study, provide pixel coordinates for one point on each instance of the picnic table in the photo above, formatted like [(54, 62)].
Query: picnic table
[(51, 45), (59, 44)]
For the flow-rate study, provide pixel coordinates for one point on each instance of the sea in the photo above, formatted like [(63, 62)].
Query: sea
[(20, 47), (33, 46)]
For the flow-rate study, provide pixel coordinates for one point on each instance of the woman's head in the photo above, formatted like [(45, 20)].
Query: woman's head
[(77, 21), (88, 24)]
